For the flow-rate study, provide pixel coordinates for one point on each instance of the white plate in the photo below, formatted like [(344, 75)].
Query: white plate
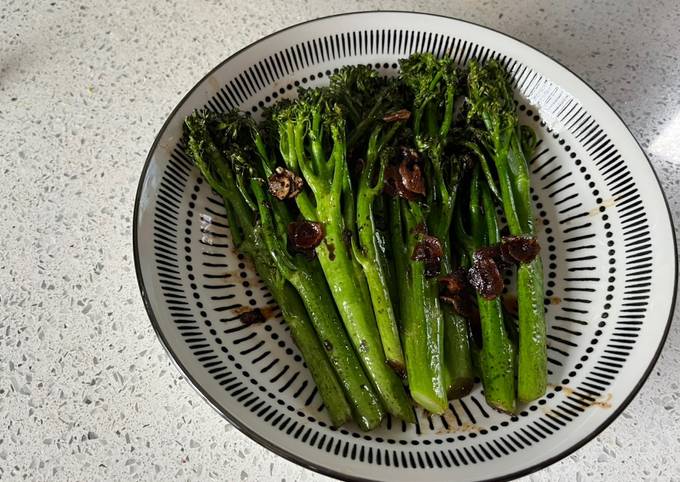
[(608, 244)]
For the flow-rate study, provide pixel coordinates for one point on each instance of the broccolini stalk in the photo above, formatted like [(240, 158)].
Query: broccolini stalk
[(399, 260), (302, 274), (459, 375), (305, 276), (492, 107), (496, 359), (217, 172), (368, 100), (432, 83), (420, 314), (330, 386), (313, 144), (367, 251)]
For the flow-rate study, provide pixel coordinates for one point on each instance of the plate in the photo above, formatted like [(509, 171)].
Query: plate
[(607, 238)]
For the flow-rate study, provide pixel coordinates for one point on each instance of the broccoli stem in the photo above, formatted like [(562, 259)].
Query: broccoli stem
[(497, 354), (421, 321), (335, 257), (303, 333), (236, 235), (399, 252), (458, 374), (219, 176), (321, 367), (384, 314), (433, 83), (508, 144), (366, 406), (385, 252), (357, 315), (532, 355), (368, 253), (532, 374), (316, 297)]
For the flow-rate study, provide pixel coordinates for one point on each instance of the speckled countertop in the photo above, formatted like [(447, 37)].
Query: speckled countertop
[(86, 391)]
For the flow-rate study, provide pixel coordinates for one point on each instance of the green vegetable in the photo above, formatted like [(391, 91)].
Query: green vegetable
[(497, 358), (221, 177), (433, 83), (317, 298), (302, 330), (367, 250), (493, 109), (459, 374), (420, 316), (377, 171), (366, 98), (312, 143)]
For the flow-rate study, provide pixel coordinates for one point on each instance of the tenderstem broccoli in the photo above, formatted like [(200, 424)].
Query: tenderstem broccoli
[(493, 112), (368, 208), (312, 143), (435, 338), (216, 168)]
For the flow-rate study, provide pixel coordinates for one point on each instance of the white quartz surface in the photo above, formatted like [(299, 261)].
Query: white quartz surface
[(86, 391)]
